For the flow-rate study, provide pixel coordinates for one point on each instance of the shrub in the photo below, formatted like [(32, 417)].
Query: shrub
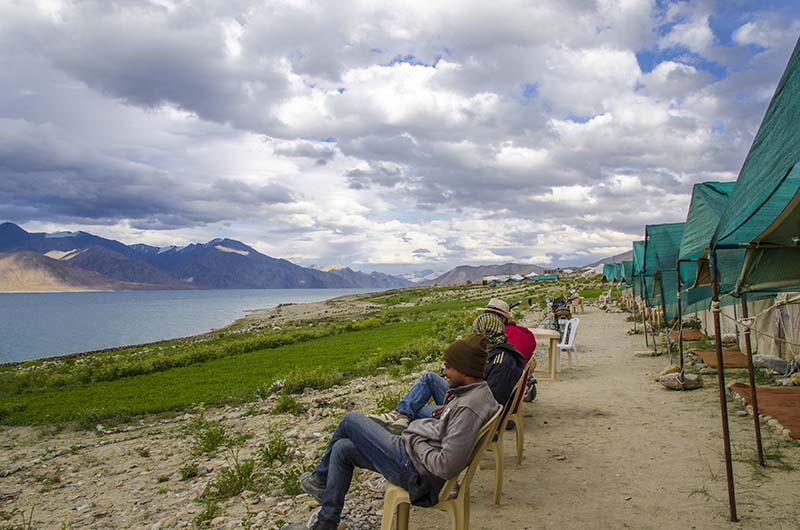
[(387, 401), (188, 471), (209, 436), (240, 475), (275, 449), (288, 404), (289, 477), (296, 382), (210, 511)]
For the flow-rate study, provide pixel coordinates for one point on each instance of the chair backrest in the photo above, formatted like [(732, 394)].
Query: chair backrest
[(485, 435), (569, 333)]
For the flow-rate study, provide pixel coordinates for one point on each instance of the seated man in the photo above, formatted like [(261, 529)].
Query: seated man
[(503, 369), (429, 452)]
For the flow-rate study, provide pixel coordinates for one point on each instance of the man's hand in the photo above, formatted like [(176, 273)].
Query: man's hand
[(435, 413)]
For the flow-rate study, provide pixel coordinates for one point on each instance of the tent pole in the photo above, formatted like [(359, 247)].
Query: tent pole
[(680, 326), (753, 392), (723, 403), (650, 319), (641, 296)]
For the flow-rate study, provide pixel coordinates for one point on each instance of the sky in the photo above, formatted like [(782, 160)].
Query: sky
[(389, 136)]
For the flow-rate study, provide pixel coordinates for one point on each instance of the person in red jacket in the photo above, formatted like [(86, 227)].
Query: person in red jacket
[(523, 340)]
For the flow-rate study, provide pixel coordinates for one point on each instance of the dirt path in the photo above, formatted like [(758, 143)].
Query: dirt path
[(607, 448)]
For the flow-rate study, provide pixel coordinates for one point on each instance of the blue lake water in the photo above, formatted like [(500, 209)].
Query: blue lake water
[(35, 325)]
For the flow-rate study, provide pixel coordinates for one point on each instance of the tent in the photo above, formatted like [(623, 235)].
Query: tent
[(763, 212), (706, 207), (663, 242), (627, 272), (761, 218), (609, 272)]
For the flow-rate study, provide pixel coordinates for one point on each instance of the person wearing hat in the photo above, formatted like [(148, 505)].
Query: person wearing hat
[(501, 372), (427, 454)]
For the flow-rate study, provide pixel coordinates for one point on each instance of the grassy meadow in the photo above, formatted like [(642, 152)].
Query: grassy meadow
[(405, 328)]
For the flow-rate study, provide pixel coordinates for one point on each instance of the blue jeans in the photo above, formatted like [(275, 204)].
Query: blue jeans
[(428, 386), (360, 442)]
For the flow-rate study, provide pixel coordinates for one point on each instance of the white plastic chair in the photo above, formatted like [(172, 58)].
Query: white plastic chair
[(568, 344)]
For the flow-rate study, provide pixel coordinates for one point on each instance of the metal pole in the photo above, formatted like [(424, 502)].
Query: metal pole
[(723, 403), (680, 324), (644, 308), (753, 392)]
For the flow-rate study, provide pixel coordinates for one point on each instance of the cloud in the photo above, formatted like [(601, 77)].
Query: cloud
[(379, 134)]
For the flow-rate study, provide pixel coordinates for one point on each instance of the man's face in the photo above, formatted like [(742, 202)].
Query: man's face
[(453, 377)]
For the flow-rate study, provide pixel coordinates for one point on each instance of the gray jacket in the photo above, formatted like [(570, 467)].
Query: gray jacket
[(440, 447)]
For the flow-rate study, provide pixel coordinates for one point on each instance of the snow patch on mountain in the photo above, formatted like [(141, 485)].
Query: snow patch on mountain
[(233, 250)]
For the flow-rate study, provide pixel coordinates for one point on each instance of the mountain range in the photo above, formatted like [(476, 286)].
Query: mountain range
[(82, 261)]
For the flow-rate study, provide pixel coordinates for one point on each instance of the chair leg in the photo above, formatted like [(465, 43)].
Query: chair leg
[(576, 357), (520, 432), (464, 522), (402, 516), (498, 470)]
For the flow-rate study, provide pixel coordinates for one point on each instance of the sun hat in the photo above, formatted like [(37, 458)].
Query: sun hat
[(500, 307)]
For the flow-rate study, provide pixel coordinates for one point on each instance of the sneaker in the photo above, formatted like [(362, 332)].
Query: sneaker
[(395, 422), (313, 484)]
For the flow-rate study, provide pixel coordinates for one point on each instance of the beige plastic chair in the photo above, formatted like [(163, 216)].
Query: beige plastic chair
[(516, 415), (496, 445), (397, 500)]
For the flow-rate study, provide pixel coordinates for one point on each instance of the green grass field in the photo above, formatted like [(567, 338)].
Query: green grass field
[(230, 379)]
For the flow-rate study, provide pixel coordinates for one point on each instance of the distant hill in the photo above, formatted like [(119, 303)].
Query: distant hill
[(219, 264), (619, 258), (32, 272), (467, 273)]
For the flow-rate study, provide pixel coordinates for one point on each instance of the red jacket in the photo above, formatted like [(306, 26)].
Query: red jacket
[(523, 340)]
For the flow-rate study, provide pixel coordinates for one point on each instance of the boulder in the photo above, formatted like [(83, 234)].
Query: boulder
[(671, 369), (776, 364), (690, 382)]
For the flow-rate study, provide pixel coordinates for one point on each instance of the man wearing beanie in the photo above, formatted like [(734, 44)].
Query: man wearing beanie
[(503, 368), (429, 452)]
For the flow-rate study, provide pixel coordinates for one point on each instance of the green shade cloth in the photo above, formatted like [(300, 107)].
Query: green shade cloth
[(609, 272), (663, 243), (763, 206), (627, 272), (638, 267), (545, 278), (706, 207)]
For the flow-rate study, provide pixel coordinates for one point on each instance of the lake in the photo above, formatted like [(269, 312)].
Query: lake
[(36, 325)]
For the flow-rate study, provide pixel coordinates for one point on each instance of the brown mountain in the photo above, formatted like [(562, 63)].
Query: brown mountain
[(32, 272)]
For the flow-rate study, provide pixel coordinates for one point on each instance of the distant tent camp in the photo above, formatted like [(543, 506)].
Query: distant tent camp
[(546, 278), (516, 278)]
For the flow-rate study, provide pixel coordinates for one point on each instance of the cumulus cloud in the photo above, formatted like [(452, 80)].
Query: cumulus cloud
[(378, 134)]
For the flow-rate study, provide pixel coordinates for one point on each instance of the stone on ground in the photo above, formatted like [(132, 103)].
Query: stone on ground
[(690, 382)]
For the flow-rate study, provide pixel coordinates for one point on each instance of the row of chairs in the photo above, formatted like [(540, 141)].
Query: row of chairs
[(490, 436)]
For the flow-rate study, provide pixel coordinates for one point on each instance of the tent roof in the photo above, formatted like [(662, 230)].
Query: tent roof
[(627, 272), (638, 257), (763, 206), (609, 272), (662, 242)]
